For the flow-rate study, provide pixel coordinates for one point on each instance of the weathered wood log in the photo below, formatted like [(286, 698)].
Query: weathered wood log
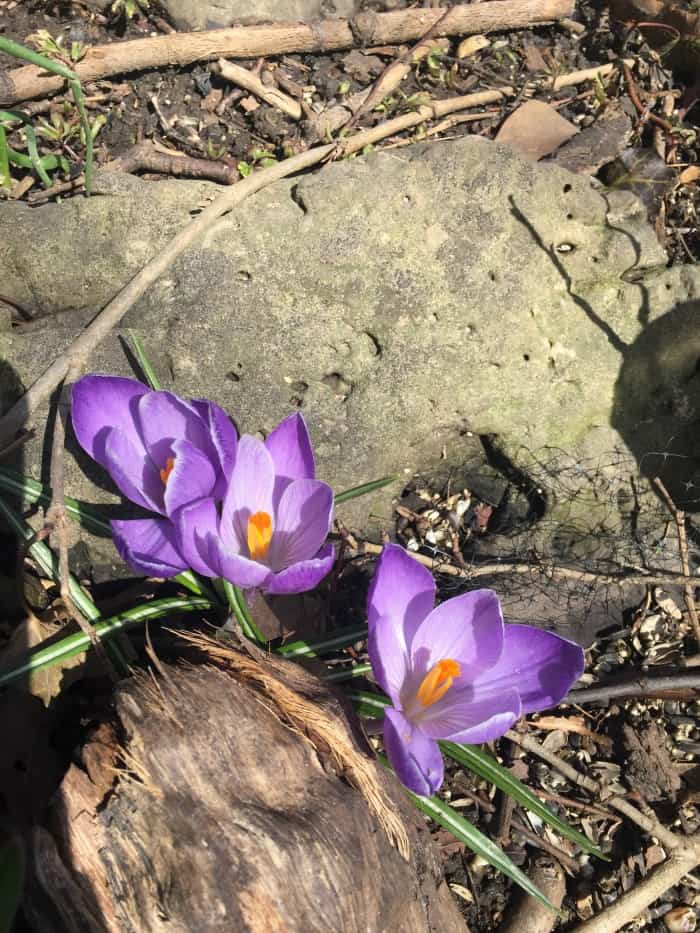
[(200, 805)]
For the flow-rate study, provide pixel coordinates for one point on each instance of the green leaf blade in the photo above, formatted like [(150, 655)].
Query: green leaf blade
[(447, 817), (486, 767), (364, 489)]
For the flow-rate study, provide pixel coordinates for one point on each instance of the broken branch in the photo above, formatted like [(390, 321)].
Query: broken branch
[(326, 35)]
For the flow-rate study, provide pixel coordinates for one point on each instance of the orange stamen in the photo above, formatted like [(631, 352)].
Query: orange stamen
[(165, 474), (259, 535), (438, 681)]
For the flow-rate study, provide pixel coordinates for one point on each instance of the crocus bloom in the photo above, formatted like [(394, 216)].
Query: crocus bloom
[(274, 519), (161, 451), (456, 671)]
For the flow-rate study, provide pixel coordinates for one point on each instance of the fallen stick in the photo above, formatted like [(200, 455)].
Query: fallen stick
[(650, 824), (144, 157), (112, 313), (687, 685), (247, 80), (645, 892), (528, 915), (327, 35), (535, 570)]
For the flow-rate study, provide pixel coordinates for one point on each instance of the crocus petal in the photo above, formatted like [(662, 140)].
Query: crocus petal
[(466, 716), (388, 656), (240, 570), (401, 590), (148, 545), (290, 448), (163, 418), (197, 530), (302, 522), (100, 403), (540, 664), (133, 471), (466, 628), (249, 491), (303, 576), (223, 436), (414, 756), (192, 477)]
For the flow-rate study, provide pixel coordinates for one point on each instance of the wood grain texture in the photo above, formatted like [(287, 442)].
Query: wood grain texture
[(221, 817)]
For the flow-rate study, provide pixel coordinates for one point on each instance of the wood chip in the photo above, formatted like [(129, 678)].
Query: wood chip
[(689, 175), (536, 129), (471, 45)]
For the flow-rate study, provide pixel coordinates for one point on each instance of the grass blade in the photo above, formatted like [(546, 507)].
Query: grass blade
[(315, 649), (364, 489), (358, 670), (447, 817), (143, 361), (481, 763), (30, 492), (79, 642), (5, 178)]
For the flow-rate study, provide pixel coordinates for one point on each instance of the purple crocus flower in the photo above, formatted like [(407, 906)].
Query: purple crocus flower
[(455, 671), (274, 519), (161, 451)]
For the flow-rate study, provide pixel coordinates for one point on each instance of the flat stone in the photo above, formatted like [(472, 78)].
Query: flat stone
[(210, 14), (409, 303)]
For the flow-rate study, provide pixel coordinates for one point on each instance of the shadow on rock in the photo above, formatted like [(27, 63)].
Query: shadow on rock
[(656, 406)]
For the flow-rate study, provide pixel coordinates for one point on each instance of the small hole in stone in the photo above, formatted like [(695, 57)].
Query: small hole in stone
[(243, 275), (569, 216), (492, 276), (565, 248), (594, 259), (526, 357), (233, 377), (567, 188)]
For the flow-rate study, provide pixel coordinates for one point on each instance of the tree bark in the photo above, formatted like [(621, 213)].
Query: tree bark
[(199, 806)]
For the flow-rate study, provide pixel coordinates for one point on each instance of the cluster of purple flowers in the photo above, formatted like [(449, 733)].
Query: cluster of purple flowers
[(239, 508), (252, 512)]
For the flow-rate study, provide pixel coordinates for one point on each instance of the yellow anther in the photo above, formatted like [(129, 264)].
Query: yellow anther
[(438, 681), (165, 474), (259, 535)]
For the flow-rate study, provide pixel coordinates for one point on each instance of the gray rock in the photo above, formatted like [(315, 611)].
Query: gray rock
[(210, 14), (409, 303)]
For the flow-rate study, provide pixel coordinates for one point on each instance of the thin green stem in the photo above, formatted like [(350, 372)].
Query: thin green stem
[(239, 607)]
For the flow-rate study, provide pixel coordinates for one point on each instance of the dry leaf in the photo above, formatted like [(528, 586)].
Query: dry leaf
[(47, 683), (536, 129), (570, 724), (533, 59), (471, 45), (597, 144), (689, 175)]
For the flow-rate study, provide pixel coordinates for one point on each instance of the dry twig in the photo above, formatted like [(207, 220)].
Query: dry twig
[(112, 313), (271, 95), (685, 685), (679, 519), (143, 157), (327, 35), (649, 824), (57, 519)]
